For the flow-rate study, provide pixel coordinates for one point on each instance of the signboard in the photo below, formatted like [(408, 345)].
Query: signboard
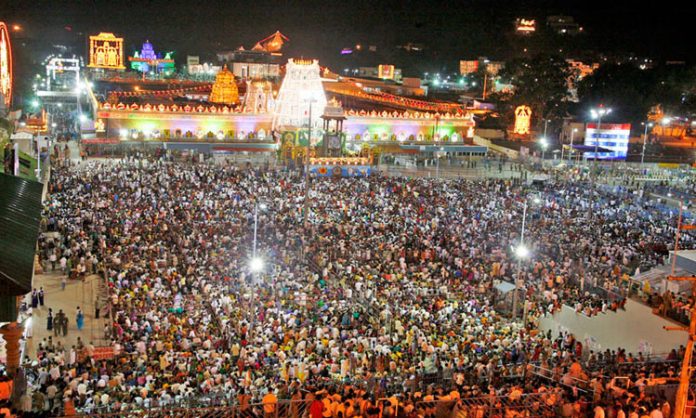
[(525, 25), (106, 51), (611, 136), (468, 66), (523, 115), (385, 71)]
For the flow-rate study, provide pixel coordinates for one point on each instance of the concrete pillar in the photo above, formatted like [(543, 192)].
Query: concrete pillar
[(12, 333)]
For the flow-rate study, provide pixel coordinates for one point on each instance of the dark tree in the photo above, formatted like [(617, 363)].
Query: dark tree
[(540, 82)]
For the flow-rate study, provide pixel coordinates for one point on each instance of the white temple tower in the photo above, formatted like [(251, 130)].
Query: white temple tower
[(258, 97), (301, 86)]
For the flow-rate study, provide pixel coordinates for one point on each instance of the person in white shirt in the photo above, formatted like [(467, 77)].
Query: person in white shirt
[(656, 412)]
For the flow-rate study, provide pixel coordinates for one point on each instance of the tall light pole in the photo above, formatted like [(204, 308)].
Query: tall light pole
[(256, 262), (544, 144), (645, 139), (521, 252), (306, 171), (570, 151), (262, 206), (598, 113)]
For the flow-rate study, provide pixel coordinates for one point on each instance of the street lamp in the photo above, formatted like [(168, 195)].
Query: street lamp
[(437, 161), (256, 264), (521, 252), (598, 113), (570, 151), (645, 138), (544, 144)]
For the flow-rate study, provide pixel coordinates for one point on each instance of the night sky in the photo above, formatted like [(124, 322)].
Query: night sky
[(450, 30)]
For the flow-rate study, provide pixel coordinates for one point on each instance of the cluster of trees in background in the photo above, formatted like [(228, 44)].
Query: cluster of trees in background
[(544, 82)]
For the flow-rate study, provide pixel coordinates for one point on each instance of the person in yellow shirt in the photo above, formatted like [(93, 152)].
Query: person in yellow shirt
[(328, 407), (340, 410)]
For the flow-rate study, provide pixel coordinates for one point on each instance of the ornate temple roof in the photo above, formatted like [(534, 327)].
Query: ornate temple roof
[(225, 89), (274, 43)]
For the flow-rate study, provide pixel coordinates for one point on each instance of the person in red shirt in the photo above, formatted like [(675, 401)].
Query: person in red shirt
[(316, 409)]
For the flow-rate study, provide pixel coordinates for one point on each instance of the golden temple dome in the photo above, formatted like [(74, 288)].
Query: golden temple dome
[(225, 89)]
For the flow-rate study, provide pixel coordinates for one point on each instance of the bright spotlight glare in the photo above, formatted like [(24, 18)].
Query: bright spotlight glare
[(522, 251), (256, 264)]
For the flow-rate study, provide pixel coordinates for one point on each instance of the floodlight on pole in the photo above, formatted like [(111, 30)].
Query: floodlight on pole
[(521, 251), (645, 138), (598, 113), (256, 264), (544, 144), (570, 150)]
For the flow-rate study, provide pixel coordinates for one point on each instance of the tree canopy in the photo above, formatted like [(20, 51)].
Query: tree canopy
[(540, 82)]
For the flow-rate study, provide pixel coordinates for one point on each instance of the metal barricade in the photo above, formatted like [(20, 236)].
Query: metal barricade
[(529, 405), (191, 408)]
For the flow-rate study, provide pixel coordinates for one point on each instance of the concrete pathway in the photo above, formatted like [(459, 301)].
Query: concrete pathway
[(76, 293)]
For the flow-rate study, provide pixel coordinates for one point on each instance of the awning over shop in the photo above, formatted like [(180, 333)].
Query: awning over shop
[(20, 216), (504, 287)]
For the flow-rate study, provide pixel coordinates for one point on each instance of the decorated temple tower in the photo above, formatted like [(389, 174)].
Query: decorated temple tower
[(301, 96), (225, 88)]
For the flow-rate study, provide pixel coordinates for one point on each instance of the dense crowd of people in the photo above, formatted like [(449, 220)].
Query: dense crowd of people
[(378, 301)]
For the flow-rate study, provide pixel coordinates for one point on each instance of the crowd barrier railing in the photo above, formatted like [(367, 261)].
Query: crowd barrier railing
[(220, 407), (528, 405)]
